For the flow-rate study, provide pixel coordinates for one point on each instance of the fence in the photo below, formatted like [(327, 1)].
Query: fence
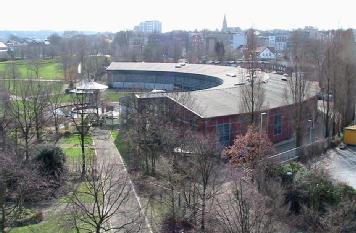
[(304, 152)]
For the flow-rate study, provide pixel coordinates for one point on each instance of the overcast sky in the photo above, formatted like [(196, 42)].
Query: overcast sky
[(115, 15)]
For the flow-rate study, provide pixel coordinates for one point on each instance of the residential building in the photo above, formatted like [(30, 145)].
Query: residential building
[(151, 26), (3, 51), (278, 42), (265, 53)]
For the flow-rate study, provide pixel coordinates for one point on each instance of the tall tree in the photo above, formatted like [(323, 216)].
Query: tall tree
[(111, 195), (22, 110), (54, 106), (219, 49), (252, 92), (297, 86), (236, 213), (204, 153), (82, 120)]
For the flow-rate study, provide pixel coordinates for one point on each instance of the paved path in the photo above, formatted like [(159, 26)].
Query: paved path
[(341, 165), (107, 153)]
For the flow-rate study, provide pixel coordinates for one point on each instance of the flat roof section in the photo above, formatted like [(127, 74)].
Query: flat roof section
[(223, 73), (224, 99), (219, 102)]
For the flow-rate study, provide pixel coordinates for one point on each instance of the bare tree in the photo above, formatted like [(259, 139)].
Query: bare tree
[(19, 181), (21, 110), (39, 99), (105, 194), (55, 104), (82, 119), (252, 93), (238, 214), (204, 153), (219, 48), (344, 85), (297, 86)]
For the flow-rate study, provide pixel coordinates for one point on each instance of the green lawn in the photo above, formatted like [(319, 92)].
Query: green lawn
[(119, 142), (113, 95), (67, 98), (74, 139), (73, 153), (56, 222), (50, 226), (49, 69), (84, 194)]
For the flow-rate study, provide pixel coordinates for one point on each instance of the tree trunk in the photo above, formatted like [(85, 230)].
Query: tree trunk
[(83, 152), (27, 154), (203, 210), (2, 206)]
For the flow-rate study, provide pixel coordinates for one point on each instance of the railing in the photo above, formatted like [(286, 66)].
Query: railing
[(305, 151)]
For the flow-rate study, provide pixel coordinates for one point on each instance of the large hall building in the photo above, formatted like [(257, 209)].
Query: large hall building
[(209, 98)]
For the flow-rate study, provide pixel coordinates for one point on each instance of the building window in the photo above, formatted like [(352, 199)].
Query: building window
[(223, 131), (277, 125)]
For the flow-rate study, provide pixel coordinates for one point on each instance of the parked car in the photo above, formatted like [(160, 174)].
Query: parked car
[(324, 96), (342, 146), (231, 74)]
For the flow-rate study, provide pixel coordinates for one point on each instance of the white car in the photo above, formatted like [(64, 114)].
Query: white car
[(231, 74)]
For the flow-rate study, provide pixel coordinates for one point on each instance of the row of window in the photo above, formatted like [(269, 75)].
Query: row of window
[(223, 130)]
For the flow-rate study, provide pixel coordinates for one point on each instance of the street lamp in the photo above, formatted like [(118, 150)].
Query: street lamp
[(310, 130), (262, 114)]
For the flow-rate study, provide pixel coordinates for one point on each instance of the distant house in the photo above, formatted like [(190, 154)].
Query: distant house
[(265, 53), (3, 51)]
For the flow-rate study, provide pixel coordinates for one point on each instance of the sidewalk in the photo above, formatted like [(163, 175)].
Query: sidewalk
[(106, 152)]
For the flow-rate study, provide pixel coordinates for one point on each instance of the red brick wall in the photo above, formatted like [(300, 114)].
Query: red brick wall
[(240, 122)]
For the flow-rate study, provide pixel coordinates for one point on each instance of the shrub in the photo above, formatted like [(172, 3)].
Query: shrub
[(27, 217), (66, 133), (51, 160), (282, 172)]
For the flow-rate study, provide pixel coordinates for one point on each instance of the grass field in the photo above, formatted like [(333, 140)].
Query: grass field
[(114, 96), (50, 226), (119, 141), (75, 140), (56, 221), (49, 69)]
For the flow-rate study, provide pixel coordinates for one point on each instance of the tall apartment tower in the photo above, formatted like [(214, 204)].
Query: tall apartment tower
[(149, 26)]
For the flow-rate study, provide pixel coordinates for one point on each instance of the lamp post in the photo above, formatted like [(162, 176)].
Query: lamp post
[(310, 130), (262, 114)]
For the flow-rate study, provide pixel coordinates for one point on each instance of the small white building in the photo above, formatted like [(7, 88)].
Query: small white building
[(265, 53)]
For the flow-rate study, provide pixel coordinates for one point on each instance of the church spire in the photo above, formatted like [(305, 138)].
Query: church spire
[(224, 26)]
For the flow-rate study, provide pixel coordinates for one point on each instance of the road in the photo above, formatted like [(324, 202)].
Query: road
[(341, 165), (106, 152)]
